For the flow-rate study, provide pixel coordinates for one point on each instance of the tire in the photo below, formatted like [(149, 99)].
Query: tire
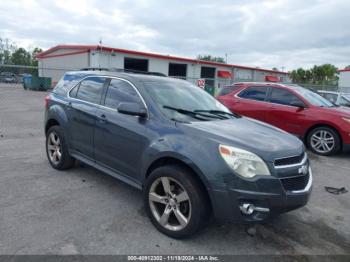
[(56, 142), (183, 185), (323, 141)]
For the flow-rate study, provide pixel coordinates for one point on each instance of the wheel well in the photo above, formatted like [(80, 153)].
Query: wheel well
[(173, 161), (50, 123), (322, 125)]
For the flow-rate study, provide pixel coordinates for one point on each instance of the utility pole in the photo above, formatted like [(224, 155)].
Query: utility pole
[(100, 54)]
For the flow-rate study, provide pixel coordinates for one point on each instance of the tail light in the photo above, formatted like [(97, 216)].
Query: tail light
[(47, 99)]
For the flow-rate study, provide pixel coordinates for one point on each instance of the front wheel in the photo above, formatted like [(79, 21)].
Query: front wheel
[(324, 141), (175, 201)]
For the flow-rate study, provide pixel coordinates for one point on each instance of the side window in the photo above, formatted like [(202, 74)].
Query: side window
[(254, 93), (344, 101), (283, 97), (120, 91), (90, 89), (331, 97), (227, 89)]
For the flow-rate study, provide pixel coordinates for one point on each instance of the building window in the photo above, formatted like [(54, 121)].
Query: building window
[(136, 64), (209, 74), (177, 70)]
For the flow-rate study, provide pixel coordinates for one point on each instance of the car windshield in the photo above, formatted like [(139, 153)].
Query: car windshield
[(172, 95), (312, 97)]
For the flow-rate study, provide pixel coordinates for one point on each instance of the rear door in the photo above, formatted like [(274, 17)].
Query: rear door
[(120, 139), (282, 114), (83, 105), (251, 102)]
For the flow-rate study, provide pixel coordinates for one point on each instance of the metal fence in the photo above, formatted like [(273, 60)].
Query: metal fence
[(15, 74)]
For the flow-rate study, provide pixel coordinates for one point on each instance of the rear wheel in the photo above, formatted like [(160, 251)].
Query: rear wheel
[(175, 201), (57, 149), (324, 141)]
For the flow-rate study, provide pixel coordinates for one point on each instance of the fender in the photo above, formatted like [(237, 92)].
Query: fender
[(193, 156), (56, 112)]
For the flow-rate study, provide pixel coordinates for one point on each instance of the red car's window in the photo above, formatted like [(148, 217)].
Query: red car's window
[(283, 97), (254, 93)]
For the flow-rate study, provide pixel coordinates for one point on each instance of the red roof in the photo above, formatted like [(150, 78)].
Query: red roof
[(344, 70), (88, 48)]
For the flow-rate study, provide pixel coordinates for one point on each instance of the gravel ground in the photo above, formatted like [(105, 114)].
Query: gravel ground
[(83, 211)]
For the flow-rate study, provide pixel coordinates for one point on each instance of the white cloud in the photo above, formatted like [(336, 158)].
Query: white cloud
[(265, 33)]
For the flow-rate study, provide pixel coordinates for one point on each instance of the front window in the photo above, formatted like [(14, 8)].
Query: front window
[(182, 95), (312, 97), (283, 97), (120, 91)]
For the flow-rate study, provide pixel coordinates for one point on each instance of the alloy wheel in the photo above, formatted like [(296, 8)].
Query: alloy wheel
[(170, 204), (54, 148), (322, 141)]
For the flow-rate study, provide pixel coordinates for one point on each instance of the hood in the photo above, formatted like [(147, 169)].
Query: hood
[(266, 141), (337, 111)]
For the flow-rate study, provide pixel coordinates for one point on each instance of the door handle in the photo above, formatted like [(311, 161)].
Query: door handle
[(102, 118)]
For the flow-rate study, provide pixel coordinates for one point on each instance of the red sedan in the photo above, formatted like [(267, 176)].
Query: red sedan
[(324, 127)]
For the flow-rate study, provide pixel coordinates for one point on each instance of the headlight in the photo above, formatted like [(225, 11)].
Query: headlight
[(244, 163), (346, 119)]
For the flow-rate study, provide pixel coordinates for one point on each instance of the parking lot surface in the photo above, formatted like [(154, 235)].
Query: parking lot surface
[(83, 211)]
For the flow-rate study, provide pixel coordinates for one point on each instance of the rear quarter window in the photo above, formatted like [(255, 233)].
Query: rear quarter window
[(66, 83), (227, 90)]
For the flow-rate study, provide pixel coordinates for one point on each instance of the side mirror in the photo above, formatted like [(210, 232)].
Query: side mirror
[(298, 103), (133, 109)]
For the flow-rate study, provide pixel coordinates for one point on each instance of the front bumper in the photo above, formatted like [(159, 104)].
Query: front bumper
[(227, 204)]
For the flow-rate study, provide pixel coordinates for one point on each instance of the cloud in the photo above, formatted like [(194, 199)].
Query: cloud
[(264, 33)]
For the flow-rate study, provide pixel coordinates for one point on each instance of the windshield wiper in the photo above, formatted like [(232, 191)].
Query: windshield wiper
[(194, 114), (218, 112)]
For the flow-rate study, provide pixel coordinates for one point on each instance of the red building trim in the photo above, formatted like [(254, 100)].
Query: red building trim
[(46, 53), (344, 70), (65, 54)]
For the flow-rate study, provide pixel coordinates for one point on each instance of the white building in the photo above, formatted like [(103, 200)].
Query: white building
[(59, 59), (344, 80)]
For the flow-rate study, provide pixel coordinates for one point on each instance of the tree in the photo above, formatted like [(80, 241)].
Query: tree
[(21, 57), (211, 58), (275, 69), (35, 52), (323, 74)]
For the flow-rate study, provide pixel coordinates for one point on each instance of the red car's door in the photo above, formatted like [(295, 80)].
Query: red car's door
[(251, 102), (284, 111)]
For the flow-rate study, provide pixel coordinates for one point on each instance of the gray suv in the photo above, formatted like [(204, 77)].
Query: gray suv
[(189, 154)]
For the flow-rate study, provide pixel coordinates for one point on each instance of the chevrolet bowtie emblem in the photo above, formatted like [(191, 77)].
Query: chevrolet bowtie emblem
[(303, 170)]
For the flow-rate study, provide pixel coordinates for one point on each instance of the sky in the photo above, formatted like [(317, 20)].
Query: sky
[(285, 34)]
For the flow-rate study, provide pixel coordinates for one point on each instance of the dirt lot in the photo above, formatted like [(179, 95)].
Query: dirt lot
[(82, 211)]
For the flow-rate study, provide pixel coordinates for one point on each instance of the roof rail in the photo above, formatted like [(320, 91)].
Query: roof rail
[(121, 70)]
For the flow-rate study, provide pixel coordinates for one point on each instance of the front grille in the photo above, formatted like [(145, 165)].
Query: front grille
[(295, 183), (289, 160)]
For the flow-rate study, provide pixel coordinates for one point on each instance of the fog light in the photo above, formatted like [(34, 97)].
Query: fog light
[(249, 208)]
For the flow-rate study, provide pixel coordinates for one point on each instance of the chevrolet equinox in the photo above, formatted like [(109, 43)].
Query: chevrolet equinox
[(189, 154)]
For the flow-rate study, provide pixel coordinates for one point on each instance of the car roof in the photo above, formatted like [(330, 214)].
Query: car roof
[(137, 76)]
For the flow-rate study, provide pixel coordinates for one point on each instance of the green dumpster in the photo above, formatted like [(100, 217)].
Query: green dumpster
[(37, 83)]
